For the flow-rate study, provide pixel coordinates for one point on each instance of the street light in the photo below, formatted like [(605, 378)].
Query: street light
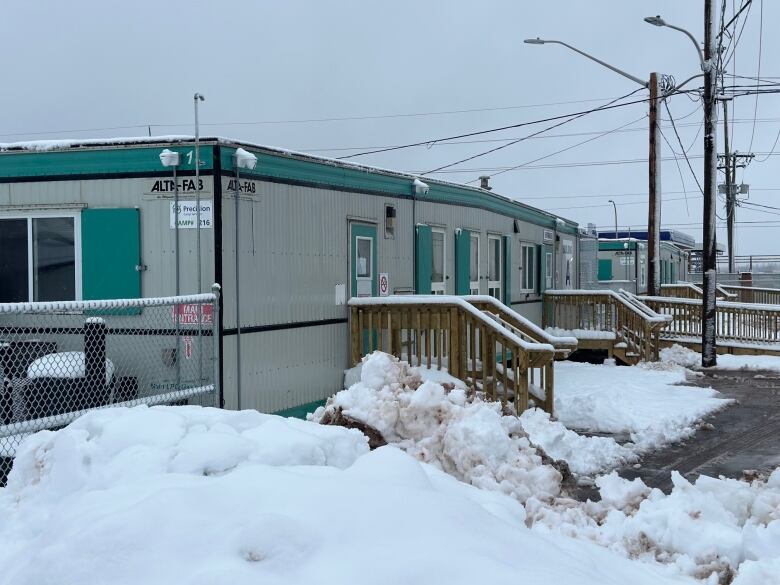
[(654, 161), (658, 21), (615, 208), (709, 261), (198, 98), (169, 158), (538, 41), (241, 160)]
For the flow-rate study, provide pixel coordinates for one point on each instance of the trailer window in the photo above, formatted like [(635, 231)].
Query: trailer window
[(528, 259), (38, 259)]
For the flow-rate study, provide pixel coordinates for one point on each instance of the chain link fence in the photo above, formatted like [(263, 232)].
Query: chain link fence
[(61, 359)]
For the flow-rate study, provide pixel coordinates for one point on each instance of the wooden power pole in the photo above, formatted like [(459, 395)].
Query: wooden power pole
[(709, 266), (654, 194)]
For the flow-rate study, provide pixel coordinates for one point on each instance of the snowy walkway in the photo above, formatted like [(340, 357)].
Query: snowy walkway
[(745, 436)]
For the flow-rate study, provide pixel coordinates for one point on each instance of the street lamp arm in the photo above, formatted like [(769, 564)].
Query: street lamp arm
[(600, 62), (695, 44)]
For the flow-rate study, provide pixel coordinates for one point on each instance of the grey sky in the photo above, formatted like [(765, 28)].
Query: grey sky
[(87, 65)]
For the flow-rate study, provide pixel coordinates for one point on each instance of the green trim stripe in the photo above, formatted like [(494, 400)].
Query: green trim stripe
[(296, 168), (115, 160)]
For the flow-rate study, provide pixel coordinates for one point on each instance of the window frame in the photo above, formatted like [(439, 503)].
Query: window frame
[(524, 277), (495, 285), (439, 288), (50, 214), (474, 285)]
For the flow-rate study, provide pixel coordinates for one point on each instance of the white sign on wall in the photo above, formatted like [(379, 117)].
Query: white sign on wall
[(384, 284), (626, 260), (188, 214)]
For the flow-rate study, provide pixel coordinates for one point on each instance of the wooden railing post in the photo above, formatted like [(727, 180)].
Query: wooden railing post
[(549, 384), (354, 322), (455, 355)]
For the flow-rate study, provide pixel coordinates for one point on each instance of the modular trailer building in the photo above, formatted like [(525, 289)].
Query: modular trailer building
[(311, 233)]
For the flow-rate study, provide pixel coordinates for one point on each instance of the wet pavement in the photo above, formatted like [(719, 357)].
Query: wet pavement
[(743, 436)]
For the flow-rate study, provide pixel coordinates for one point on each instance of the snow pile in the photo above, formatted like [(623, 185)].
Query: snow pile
[(720, 526), (189, 495), (467, 438), (645, 402), (584, 455), (688, 358)]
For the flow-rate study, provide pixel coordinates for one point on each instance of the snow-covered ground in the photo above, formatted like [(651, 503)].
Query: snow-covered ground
[(648, 402), (688, 358), (463, 493), (196, 496)]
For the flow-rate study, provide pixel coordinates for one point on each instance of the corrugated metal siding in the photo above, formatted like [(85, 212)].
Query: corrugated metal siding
[(286, 368)]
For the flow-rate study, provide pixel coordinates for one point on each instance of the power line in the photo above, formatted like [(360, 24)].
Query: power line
[(519, 125), (565, 149), (613, 195), (685, 154), (308, 120), (492, 150), (596, 163)]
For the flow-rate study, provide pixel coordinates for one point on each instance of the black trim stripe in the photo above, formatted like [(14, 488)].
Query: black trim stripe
[(96, 176), (526, 302), (283, 326)]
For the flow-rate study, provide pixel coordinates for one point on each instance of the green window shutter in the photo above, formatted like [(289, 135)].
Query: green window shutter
[(605, 268), (462, 261), (110, 253), (507, 292), (424, 259), (539, 268)]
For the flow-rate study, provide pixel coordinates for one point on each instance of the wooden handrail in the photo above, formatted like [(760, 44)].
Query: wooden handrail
[(741, 322), (682, 290), (448, 332), (632, 323), (750, 294), (688, 290), (520, 325)]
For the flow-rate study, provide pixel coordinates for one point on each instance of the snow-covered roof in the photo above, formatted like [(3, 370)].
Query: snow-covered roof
[(82, 143)]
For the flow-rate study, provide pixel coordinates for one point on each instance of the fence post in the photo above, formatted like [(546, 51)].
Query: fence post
[(216, 289), (95, 361)]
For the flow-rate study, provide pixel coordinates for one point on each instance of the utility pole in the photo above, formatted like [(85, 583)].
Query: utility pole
[(654, 193), (730, 195), (709, 266)]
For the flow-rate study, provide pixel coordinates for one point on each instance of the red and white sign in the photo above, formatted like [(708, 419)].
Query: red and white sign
[(384, 284), (187, 347), (188, 314)]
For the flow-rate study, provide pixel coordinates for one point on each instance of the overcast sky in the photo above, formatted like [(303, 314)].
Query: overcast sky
[(88, 68)]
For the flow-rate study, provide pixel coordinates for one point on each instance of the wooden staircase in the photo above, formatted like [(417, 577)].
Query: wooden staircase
[(496, 351), (607, 320)]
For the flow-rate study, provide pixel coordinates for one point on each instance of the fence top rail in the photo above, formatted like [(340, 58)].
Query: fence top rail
[(545, 336), (754, 288), (688, 285), (720, 304), (616, 297), (450, 301), (74, 306)]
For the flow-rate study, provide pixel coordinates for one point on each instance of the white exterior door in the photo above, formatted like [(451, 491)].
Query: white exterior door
[(495, 267), (438, 262), (474, 265)]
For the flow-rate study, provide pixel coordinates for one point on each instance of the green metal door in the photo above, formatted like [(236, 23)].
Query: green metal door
[(363, 269), (462, 261), (605, 268)]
